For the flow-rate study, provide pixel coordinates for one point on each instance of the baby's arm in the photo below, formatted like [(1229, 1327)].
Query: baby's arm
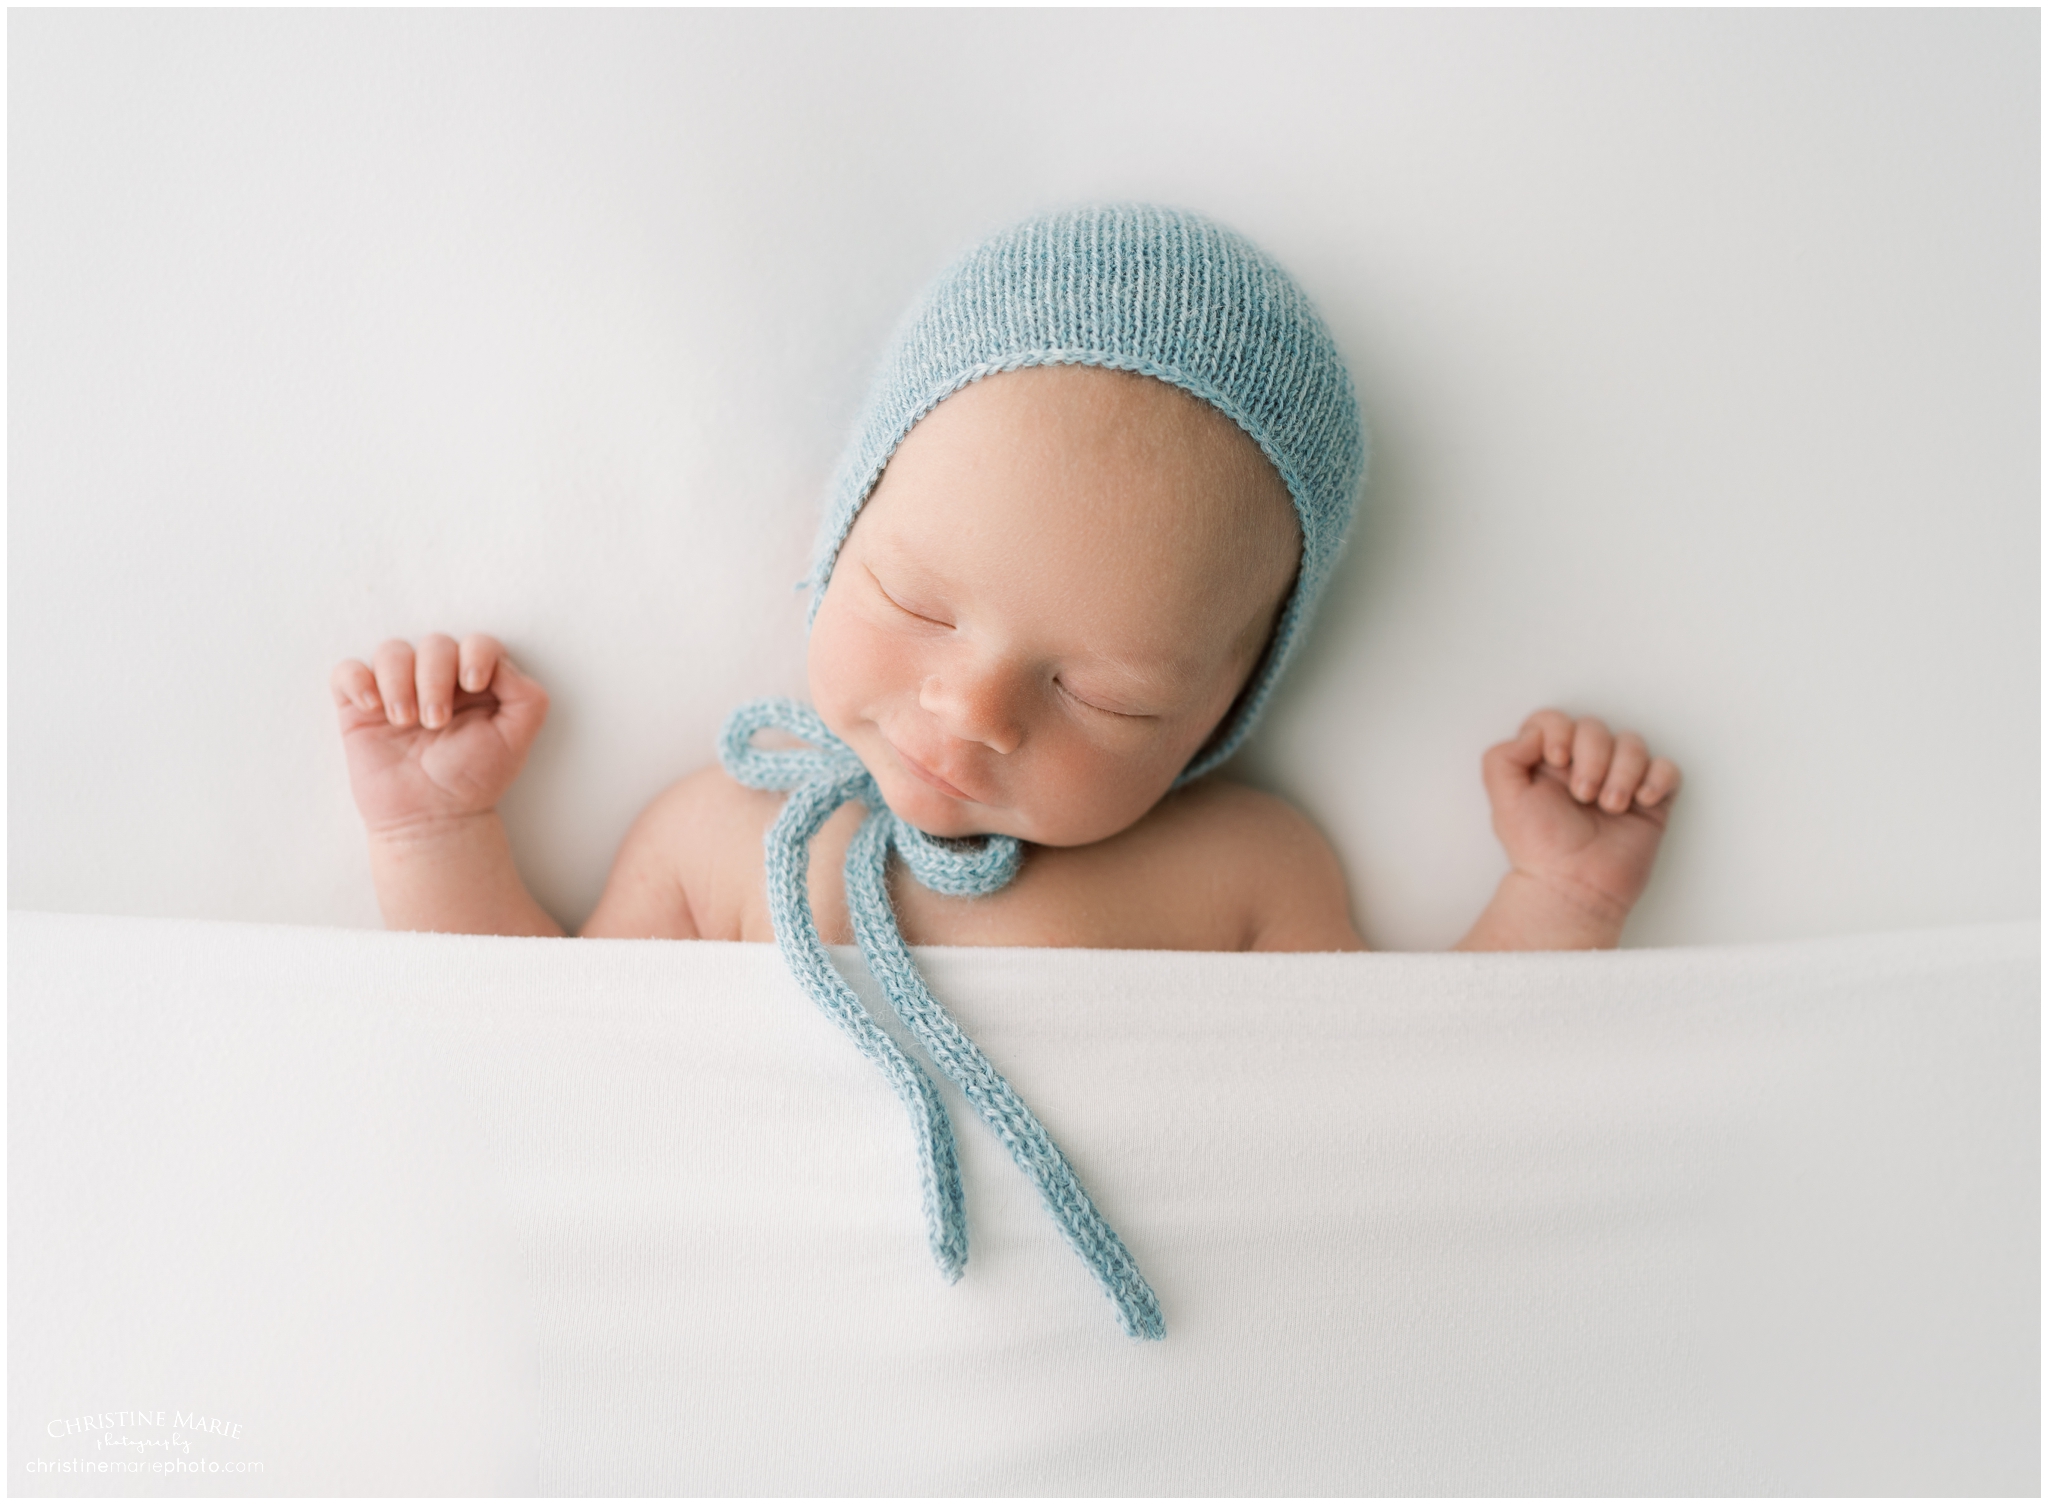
[(429, 756), (1580, 813)]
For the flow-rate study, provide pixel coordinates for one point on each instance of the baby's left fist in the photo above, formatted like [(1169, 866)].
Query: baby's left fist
[(1579, 808)]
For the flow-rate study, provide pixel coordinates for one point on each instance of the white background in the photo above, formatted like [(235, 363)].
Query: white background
[(1700, 353)]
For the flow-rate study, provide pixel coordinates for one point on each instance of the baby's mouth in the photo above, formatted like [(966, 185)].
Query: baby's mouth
[(919, 771)]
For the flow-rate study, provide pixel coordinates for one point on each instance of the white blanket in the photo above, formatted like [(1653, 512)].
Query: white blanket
[(338, 1212)]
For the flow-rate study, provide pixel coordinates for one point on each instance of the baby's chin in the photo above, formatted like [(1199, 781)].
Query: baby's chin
[(936, 813)]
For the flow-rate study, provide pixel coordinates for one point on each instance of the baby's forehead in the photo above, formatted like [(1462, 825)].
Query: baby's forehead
[(1078, 483), (1117, 417), (1128, 441)]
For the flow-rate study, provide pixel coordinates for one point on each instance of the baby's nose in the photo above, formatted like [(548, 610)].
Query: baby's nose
[(976, 703)]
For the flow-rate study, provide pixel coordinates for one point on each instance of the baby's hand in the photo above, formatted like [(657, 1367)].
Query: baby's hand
[(423, 747), (1579, 809)]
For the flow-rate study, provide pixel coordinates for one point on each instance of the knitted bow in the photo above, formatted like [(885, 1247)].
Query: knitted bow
[(821, 779)]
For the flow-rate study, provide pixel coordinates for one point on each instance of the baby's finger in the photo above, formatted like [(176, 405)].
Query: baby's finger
[(394, 680), (1556, 730), (1631, 761), (1506, 768), (480, 655), (434, 675), (1661, 782), (354, 685), (1592, 747), (1521, 752), (522, 703)]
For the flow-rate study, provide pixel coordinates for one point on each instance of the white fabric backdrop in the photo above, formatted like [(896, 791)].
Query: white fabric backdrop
[(1700, 350)]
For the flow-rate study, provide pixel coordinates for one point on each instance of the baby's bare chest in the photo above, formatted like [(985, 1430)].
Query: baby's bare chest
[(1145, 890)]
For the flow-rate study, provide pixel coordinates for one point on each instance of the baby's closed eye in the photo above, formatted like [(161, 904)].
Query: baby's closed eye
[(1093, 703), (909, 610)]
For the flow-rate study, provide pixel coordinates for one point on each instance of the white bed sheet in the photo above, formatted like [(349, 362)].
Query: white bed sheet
[(436, 1213)]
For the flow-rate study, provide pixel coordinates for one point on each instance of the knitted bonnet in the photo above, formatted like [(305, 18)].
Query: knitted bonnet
[(1162, 292), (1133, 288)]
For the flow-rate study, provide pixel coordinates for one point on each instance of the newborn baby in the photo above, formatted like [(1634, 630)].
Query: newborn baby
[(1064, 588), (1083, 523)]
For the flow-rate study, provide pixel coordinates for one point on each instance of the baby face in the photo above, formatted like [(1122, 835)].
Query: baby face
[(1052, 598)]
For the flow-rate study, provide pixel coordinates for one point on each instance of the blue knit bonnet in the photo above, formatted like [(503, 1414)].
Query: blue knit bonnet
[(1132, 288), (1161, 292)]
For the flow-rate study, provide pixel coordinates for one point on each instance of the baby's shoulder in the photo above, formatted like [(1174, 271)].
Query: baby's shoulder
[(706, 808), (1219, 819), (1273, 863), (657, 886), (714, 827)]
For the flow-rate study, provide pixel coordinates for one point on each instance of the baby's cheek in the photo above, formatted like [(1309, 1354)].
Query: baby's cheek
[(1088, 795), (851, 666)]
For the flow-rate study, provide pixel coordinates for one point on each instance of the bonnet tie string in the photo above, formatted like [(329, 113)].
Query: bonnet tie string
[(820, 779)]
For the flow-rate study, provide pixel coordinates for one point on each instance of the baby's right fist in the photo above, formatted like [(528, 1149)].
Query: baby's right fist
[(434, 735)]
